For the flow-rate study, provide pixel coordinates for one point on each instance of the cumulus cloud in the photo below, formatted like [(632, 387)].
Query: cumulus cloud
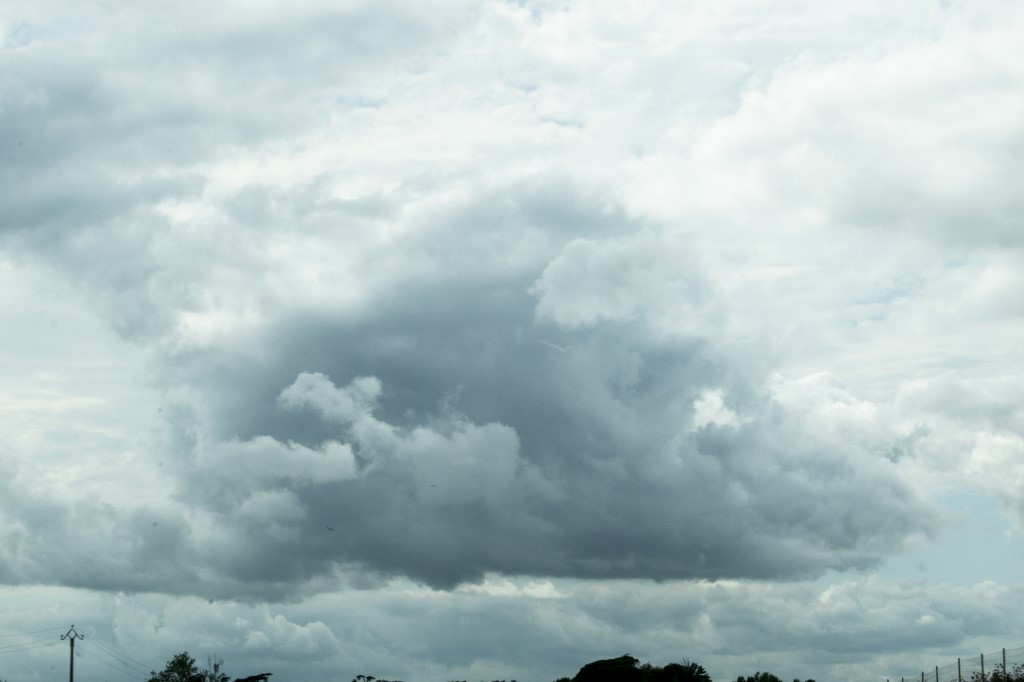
[(645, 276), (775, 492)]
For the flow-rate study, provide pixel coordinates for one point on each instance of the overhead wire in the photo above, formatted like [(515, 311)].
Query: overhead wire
[(122, 657), (34, 632), (29, 645), (34, 641), (124, 671), (120, 662), (25, 646)]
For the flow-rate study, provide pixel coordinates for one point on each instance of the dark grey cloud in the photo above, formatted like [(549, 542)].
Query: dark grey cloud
[(484, 437), (536, 355), (539, 417), (90, 543)]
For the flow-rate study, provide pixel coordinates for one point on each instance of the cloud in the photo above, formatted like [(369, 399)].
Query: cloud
[(774, 493), (484, 319), (457, 444), (966, 430), (771, 494), (233, 469), (641, 276), (913, 139)]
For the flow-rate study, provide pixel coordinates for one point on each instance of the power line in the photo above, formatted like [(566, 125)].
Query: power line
[(112, 650), (27, 648), (39, 642), (124, 671), (122, 658), (34, 632)]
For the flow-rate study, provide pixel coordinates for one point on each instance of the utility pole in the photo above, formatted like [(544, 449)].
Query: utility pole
[(71, 635)]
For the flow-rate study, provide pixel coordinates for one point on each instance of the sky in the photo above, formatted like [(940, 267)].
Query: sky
[(484, 339)]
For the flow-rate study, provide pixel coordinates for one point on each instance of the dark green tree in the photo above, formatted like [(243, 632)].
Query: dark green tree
[(181, 668), (625, 668), (687, 671)]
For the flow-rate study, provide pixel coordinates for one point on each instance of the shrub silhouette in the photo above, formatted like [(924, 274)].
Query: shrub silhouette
[(622, 669), (626, 668), (998, 674)]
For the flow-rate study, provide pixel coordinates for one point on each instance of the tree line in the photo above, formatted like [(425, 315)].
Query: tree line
[(625, 668)]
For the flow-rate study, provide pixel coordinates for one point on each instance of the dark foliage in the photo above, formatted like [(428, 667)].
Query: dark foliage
[(687, 671), (627, 668), (998, 674), (181, 668), (622, 669)]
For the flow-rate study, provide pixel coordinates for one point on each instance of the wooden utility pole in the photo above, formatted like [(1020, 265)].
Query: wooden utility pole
[(71, 635)]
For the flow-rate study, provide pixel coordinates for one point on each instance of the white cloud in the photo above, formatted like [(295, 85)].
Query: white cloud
[(710, 408), (264, 461), (647, 276)]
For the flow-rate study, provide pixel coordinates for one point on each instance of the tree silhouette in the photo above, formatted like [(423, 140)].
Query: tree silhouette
[(686, 671), (181, 668), (999, 674), (621, 669), (213, 672), (625, 668)]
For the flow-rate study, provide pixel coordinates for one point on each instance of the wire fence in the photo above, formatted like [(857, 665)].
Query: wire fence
[(1006, 665)]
